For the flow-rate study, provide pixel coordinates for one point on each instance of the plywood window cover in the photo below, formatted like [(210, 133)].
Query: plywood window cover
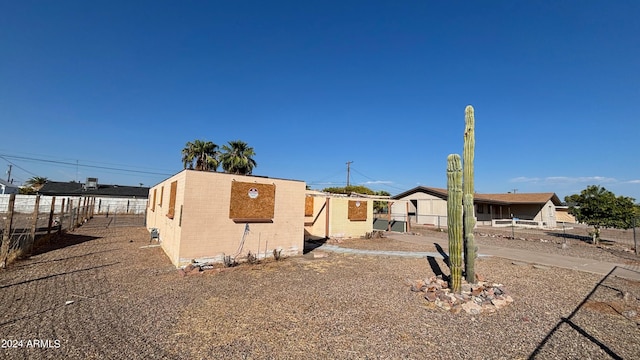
[(308, 206), (357, 210), (153, 205), (172, 200), (252, 202)]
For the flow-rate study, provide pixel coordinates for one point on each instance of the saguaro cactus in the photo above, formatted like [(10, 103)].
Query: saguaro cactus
[(468, 154), (454, 220)]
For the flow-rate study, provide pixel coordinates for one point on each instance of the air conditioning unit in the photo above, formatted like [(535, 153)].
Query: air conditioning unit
[(92, 183)]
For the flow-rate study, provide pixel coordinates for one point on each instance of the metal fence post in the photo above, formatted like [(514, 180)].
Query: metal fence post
[(635, 242)]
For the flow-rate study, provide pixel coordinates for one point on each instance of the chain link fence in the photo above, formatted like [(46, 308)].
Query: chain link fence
[(628, 237)]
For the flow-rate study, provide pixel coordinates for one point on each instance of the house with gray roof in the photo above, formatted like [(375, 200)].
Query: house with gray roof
[(93, 188), (8, 188), (428, 205)]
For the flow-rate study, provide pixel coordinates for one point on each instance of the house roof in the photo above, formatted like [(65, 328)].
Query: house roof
[(503, 199), (57, 188), (7, 184), (519, 198), (441, 193)]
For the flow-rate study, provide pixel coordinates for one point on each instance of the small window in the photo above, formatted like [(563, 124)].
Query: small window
[(161, 196), (480, 208)]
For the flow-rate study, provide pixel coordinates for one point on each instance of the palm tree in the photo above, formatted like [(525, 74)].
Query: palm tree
[(204, 153), (36, 182), (237, 158)]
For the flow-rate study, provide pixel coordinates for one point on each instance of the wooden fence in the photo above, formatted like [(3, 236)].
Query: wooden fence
[(22, 231)]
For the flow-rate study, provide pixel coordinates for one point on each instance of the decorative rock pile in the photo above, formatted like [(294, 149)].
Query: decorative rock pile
[(482, 297)]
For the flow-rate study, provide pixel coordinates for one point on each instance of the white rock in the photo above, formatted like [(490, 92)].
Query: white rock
[(472, 308)]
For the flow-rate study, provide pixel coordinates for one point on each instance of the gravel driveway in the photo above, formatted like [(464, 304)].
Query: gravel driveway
[(99, 293)]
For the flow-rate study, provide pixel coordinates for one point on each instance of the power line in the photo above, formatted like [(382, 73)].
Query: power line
[(77, 164), (16, 165), (387, 185)]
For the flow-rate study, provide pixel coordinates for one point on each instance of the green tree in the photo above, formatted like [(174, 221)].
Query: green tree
[(381, 206), (36, 182), (349, 189), (204, 153), (26, 190), (237, 158), (378, 206), (601, 208)]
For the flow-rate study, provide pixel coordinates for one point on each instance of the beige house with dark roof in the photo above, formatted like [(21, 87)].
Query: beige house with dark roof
[(427, 205), (207, 216)]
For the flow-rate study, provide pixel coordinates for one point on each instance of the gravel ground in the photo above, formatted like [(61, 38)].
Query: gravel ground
[(130, 302)]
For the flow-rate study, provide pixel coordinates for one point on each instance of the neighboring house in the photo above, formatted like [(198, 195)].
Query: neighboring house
[(337, 216), (92, 188), (427, 205), (8, 188), (207, 216), (108, 198)]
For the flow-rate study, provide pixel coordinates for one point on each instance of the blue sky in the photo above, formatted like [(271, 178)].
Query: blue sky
[(114, 90)]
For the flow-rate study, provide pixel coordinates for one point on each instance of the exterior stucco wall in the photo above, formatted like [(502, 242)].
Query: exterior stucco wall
[(318, 228), (170, 229), (339, 224), (427, 208), (548, 214), (208, 234)]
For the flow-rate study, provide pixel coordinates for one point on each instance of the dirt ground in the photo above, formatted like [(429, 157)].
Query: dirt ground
[(100, 292)]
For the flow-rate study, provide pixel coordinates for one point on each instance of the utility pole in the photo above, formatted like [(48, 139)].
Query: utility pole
[(9, 174), (348, 170)]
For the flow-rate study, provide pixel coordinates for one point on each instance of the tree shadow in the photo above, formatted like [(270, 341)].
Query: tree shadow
[(60, 241), (584, 238), (60, 274), (568, 321), (31, 263)]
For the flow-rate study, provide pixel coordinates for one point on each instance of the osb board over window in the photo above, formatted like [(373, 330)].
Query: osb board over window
[(172, 200), (357, 210), (308, 206), (252, 202)]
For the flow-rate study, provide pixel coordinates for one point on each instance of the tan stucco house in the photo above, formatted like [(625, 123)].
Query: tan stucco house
[(428, 205), (206, 216), (337, 216)]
